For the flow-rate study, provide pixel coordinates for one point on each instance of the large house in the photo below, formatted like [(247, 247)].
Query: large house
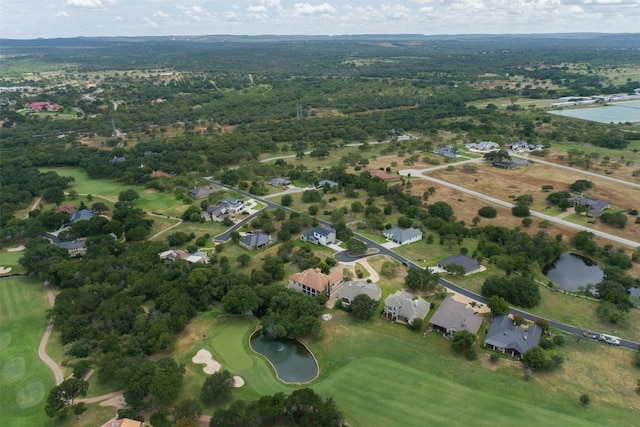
[(352, 289), (201, 192), (470, 265), (594, 207), (404, 307), (319, 236), (280, 182), (214, 213), (173, 254), (256, 240), (327, 183), (314, 282), (76, 247), (403, 236), (44, 106), (448, 152), (81, 215), (234, 206), (198, 257), (508, 338), (453, 316), (482, 146)]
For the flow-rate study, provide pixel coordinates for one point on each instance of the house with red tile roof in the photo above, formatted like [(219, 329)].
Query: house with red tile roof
[(44, 106), (314, 282)]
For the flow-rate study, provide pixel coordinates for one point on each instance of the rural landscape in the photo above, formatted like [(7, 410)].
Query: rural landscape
[(320, 231)]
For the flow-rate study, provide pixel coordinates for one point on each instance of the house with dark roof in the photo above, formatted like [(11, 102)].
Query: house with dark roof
[(403, 236), (508, 164), (201, 192), (453, 316), (81, 215), (214, 213), (448, 152), (327, 183), (256, 240), (314, 282), (352, 289), (470, 265), (508, 338), (319, 236), (76, 247), (279, 182), (404, 307), (118, 159), (595, 207)]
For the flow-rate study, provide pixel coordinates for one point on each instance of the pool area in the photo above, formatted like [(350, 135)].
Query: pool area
[(620, 112)]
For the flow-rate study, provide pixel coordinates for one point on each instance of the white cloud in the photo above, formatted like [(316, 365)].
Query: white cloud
[(149, 23), (118, 19), (63, 14), (161, 14), (309, 9), (85, 4)]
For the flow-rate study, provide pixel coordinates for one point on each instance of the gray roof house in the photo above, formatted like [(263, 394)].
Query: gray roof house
[(470, 265), (256, 240), (352, 289), (328, 183), (214, 213), (319, 236), (201, 192), (594, 207), (81, 215), (449, 152), (402, 307), (453, 316), (76, 247), (504, 336), (403, 236), (279, 182), (233, 205)]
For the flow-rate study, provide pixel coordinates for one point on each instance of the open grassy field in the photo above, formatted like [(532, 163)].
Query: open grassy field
[(383, 374), (25, 378), (622, 171)]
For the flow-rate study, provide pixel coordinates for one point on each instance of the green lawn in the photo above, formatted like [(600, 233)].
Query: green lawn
[(10, 260), (382, 374), (25, 379)]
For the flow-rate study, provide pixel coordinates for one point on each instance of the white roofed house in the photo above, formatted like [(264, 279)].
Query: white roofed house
[(319, 236), (234, 206), (403, 236)]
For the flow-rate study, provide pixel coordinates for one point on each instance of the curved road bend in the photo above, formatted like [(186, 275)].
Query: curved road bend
[(342, 256)]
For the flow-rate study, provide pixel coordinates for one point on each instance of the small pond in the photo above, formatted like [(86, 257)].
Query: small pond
[(570, 271), (292, 361)]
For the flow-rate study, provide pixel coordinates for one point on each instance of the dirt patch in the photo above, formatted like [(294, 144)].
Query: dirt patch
[(116, 401)]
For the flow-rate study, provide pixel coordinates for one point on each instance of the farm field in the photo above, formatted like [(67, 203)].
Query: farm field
[(362, 364)]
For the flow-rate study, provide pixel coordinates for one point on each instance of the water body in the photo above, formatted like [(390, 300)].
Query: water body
[(620, 112), (292, 361), (570, 271)]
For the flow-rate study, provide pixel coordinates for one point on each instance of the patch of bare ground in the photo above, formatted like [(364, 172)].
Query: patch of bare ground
[(501, 184), (621, 170)]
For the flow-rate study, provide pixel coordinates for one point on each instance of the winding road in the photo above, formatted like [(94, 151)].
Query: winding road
[(42, 348)]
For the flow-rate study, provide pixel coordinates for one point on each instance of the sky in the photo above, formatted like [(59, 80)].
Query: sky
[(28, 19)]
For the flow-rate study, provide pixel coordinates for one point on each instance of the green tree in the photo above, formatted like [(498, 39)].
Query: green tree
[(456, 269), (244, 259), (547, 188), (535, 358), (286, 200), (187, 409), (240, 299), (363, 307), (581, 185), (585, 400), (441, 210), (128, 195), (498, 306), (167, 381), (217, 387), (487, 212), (463, 340), (100, 207), (420, 279), (520, 211), (63, 396), (356, 247)]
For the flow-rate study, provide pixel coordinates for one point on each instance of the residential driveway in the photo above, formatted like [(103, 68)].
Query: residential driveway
[(291, 190), (390, 245)]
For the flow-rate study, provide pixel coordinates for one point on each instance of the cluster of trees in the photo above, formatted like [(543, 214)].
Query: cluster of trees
[(537, 358), (517, 290)]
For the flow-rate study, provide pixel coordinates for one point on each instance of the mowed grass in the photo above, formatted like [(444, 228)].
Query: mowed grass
[(25, 379), (383, 374), (10, 260), (150, 200)]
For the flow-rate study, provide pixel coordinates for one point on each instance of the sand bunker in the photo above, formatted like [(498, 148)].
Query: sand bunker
[(4, 270), (204, 357), (238, 381), (16, 249)]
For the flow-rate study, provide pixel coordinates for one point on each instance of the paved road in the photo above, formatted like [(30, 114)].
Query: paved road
[(418, 174), (342, 256)]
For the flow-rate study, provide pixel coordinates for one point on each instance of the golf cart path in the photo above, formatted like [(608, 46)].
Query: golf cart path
[(42, 348)]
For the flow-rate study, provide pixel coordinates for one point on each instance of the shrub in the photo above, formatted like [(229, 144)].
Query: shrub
[(81, 368), (471, 354), (585, 400), (494, 358), (487, 212), (559, 340)]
